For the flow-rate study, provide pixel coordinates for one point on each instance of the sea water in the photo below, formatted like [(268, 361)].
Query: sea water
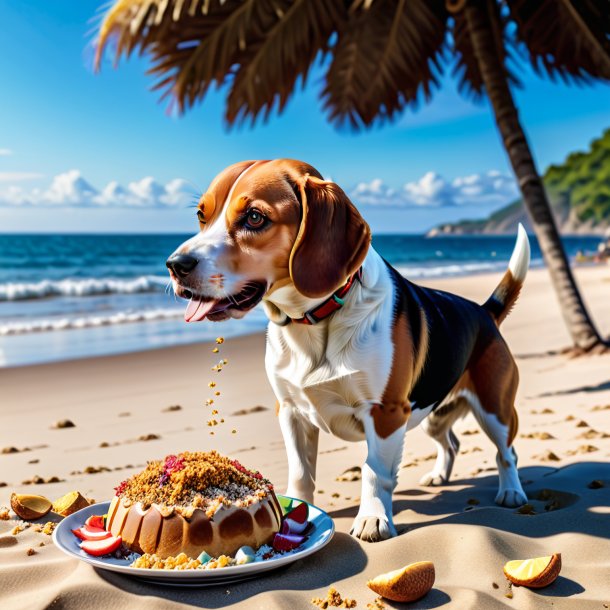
[(71, 296)]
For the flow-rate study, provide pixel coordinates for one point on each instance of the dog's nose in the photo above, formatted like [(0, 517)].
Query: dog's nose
[(181, 264)]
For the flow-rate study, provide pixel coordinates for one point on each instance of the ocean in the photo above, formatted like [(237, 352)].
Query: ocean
[(72, 296)]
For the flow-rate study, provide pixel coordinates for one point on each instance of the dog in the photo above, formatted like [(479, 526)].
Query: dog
[(353, 348)]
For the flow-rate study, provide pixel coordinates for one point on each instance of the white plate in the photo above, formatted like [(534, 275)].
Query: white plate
[(319, 536)]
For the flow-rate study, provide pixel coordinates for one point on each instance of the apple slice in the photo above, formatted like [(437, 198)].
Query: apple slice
[(287, 542), (85, 533), (101, 547), (95, 521), (534, 573)]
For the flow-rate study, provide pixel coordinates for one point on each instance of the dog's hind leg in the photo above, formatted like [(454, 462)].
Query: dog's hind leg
[(494, 387), (438, 425)]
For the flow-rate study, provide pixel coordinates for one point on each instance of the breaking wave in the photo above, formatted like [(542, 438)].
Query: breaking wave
[(17, 291)]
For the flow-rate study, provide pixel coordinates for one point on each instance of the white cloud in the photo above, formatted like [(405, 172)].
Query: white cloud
[(5, 152), (18, 176), (433, 190), (71, 189)]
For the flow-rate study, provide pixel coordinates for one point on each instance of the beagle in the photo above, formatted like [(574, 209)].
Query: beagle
[(353, 348)]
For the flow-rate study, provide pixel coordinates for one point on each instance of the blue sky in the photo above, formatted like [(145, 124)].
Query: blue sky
[(66, 133)]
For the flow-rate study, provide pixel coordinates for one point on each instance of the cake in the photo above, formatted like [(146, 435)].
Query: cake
[(194, 502)]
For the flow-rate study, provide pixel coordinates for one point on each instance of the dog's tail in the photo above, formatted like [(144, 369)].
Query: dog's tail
[(500, 303)]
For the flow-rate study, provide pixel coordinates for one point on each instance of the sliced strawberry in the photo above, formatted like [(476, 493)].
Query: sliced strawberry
[(287, 542), (299, 514), (85, 533), (95, 521), (101, 547)]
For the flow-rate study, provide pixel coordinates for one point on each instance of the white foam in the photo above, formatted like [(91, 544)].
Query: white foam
[(456, 269), (81, 287), (121, 317)]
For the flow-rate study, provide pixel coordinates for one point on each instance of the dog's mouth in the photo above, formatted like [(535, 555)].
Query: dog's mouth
[(201, 307)]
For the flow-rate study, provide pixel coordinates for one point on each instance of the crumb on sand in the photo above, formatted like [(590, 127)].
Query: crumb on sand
[(334, 600)]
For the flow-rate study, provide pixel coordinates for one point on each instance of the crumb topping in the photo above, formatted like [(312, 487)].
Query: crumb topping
[(194, 479)]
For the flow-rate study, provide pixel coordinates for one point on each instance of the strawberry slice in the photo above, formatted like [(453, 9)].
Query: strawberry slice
[(88, 533), (95, 521), (295, 521), (287, 542), (101, 547)]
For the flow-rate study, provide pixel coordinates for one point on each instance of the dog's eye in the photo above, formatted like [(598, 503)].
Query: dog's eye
[(255, 219), (201, 216)]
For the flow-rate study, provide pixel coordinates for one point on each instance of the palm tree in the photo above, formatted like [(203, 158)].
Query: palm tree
[(385, 55)]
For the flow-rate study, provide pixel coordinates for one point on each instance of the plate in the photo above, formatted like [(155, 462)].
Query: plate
[(322, 530)]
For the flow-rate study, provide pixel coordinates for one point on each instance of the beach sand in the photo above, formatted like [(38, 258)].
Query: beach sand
[(563, 445)]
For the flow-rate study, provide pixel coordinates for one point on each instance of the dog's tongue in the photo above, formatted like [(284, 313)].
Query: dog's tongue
[(197, 309)]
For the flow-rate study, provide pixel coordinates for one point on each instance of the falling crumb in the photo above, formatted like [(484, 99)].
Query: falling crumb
[(4, 513), (214, 411), (215, 350), (31, 552), (212, 384), (220, 340), (225, 361)]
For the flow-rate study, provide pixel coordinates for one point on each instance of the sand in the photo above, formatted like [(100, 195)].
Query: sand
[(117, 400)]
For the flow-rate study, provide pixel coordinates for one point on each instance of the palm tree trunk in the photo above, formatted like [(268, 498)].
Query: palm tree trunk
[(580, 326)]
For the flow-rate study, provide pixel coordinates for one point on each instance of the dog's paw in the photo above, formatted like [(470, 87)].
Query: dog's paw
[(511, 498), (433, 479), (372, 529)]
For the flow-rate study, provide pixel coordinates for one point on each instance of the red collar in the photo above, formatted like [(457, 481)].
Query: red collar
[(330, 305)]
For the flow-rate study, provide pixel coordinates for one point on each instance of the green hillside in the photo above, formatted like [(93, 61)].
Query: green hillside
[(579, 191)]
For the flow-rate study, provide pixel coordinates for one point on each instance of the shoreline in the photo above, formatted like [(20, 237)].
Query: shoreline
[(460, 283)]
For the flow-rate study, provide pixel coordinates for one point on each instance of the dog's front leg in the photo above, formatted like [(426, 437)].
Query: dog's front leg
[(379, 477), (301, 440)]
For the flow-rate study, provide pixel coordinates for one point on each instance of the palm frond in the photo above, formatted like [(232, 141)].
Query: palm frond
[(270, 70), (566, 38), (386, 55), (467, 69)]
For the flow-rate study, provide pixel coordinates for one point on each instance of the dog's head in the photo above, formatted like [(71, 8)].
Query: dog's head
[(261, 222)]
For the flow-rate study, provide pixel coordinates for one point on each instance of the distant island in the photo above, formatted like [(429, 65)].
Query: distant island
[(579, 191)]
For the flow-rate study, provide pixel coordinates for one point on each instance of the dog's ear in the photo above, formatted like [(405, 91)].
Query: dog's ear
[(332, 241)]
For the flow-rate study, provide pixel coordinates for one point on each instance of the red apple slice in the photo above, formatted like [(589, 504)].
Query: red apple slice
[(101, 547), (287, 542), (96, 521), (85, 533)]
